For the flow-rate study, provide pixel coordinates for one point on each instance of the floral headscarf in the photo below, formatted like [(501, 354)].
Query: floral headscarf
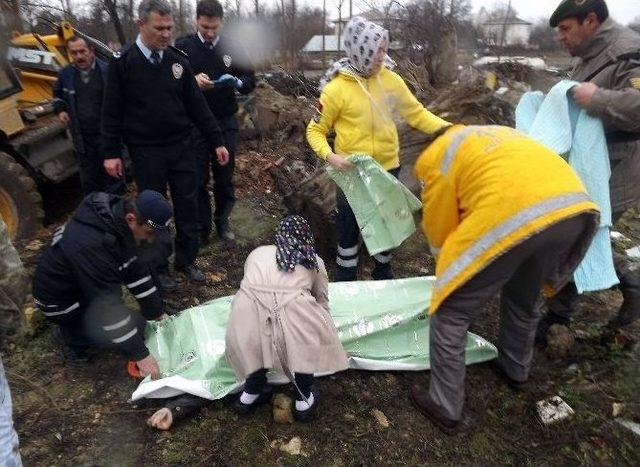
[(362, 40), (294, 244)]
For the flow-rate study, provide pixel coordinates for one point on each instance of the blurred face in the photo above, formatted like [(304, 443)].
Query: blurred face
[(81, 54), (142, 233), (378, 58), (209, 26), (571, 34), (156, 31)]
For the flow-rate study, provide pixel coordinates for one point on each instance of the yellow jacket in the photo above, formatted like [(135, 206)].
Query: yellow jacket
[(362, 112), (487, 189)]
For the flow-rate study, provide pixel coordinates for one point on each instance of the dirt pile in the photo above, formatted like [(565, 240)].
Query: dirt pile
[(472, 104), (275, 116)]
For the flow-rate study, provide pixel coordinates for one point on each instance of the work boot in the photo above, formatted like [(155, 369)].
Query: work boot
[(422, 401), (166, 281), (382, 267), (194, 273), (73, 356), (630, 309), (224, 231)]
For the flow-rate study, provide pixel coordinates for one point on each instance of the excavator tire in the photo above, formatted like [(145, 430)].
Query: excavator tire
[(20, 201)]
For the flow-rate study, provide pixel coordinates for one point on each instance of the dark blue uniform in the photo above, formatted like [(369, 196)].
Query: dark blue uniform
[(79, 277), (223, 58), (153, 108)]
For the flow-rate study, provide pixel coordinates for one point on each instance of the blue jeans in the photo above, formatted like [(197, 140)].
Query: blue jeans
[(9, 454)]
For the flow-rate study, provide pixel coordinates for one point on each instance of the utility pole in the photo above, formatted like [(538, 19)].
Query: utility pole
[(340, 2), (504, 25), (324, 28)]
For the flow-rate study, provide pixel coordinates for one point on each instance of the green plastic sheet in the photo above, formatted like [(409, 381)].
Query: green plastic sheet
[(382, 205), (383, 325)]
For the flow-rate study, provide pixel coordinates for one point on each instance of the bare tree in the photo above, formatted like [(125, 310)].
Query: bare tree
[(11, 11), (112, 9)]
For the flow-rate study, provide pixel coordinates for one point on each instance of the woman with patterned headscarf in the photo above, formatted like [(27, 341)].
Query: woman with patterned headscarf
[(280, 320), (361, 99)]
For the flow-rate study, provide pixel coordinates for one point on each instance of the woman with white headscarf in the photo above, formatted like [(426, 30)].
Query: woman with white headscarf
[(361, 98)]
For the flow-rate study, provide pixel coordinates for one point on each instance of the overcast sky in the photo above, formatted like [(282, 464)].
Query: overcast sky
[(621, 10)]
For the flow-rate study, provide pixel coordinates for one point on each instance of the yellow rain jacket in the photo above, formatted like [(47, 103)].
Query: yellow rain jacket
[(487, 189), (362, 112)]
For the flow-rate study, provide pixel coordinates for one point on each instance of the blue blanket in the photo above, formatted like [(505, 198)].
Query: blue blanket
[(557, 122)]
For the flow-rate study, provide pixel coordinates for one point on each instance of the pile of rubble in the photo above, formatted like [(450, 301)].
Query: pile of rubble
[(276, 115)]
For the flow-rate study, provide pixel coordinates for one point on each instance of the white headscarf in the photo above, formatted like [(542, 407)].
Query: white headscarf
[(362, 40)]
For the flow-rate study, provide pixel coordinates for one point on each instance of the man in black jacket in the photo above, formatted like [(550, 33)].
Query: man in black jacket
[(78, 95), (221, 68), (79, 277), (152, 103)]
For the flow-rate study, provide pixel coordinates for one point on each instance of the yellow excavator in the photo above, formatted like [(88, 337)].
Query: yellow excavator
[(35, 148)]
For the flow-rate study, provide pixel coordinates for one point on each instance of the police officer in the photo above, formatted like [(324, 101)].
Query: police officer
[(152, 102), (78, 96), (78, 280), (609, 69), (221, 69)]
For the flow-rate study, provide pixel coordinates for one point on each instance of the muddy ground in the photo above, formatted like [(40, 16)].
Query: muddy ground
[(71, 416)]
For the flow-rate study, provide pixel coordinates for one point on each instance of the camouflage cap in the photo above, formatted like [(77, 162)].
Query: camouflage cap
[(571, 8)]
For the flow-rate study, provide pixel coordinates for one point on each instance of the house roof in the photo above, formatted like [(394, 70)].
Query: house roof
[(514, 20), (371, 15), (331, 44)]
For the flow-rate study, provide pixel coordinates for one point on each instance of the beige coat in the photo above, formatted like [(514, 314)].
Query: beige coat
[(282, 314), (617, 103)]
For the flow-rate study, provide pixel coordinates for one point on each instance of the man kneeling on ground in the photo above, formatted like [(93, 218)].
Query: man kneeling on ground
[(79, 277)]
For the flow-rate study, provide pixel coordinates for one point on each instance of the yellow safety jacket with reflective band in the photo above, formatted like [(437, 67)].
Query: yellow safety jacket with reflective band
[(363, 113), (486, 190)]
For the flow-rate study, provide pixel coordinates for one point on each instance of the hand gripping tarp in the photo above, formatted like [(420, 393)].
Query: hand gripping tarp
[(383, 206), (383, 325)]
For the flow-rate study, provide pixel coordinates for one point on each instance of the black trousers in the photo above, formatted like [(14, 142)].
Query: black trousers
[(93, 177), (223, 189), (92, 326), (349, 243), (258, 380), (562, 305), (155, 167)]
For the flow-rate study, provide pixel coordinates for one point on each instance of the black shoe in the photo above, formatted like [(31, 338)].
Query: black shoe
[(630, 309), (243, 409), (193, 273), (512, 383), (421, 400), (72, 356), (205, 239), (226, 234), (166, 281), (309, 414), (383, 274)]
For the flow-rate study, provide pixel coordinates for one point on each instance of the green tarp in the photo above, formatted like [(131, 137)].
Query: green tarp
[(382, 324), (383, 206)]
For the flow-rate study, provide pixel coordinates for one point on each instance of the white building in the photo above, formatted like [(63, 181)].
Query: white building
[(516, 31)]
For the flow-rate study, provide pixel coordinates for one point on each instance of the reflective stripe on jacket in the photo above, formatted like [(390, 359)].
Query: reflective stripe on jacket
[(487, 189)]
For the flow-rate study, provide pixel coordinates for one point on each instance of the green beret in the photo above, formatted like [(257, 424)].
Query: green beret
[(570, 9)]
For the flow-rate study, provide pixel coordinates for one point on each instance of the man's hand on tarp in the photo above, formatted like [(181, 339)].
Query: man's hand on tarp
[(149, 366), (339, 162)]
